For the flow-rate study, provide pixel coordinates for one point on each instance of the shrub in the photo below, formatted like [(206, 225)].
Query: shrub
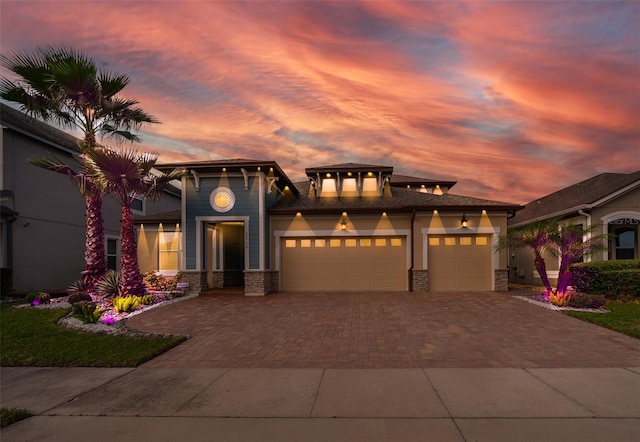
[(147, 299), (613, 279), (88, 311), (125, 304), (109, 285), (76, 287), (153, 281), (9, 416), (38, 298), (585, 300), (77, 297)]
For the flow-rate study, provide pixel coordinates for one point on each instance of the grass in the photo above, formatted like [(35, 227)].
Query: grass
[(31, 337), (624, 317), (9, 416)]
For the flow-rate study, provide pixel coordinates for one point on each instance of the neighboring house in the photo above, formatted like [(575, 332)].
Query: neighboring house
[(349, 227), (42, 229), (609, 200)]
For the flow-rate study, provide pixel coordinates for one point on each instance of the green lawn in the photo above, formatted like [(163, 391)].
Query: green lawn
[(624, 317), (31, 337)]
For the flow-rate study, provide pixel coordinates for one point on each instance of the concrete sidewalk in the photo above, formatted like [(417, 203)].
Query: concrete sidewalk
[(314, 404)]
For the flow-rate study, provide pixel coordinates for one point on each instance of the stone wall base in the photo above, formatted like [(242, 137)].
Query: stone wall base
[(259, 282), (197, 280), (418, 280), (501, 280), (215, 279)]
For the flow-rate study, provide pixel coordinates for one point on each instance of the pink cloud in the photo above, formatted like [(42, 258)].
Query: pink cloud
[(505, 97)]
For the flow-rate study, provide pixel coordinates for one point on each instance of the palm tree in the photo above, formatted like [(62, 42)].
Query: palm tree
[(534, 237), (569, 243), (127, 175), (62, 85), (566, 242)]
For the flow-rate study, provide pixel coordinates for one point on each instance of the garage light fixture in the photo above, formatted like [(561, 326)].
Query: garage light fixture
[(343, 221), (464, 221)]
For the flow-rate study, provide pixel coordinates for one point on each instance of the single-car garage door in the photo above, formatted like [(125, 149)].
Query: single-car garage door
[(459, 262), (344, 264)]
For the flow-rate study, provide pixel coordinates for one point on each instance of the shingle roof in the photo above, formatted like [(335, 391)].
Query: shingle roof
[(405, 180), (401, 200), (29, 126), (576, 197), (213, 166)]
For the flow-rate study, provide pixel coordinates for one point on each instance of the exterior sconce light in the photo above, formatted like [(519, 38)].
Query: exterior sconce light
[(343, 225), (343, 221), (464, 221)]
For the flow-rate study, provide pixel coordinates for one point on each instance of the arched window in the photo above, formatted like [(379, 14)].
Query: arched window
[(625, 242)]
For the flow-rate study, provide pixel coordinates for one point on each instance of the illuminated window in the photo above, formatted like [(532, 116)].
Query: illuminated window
[(396, 242), (349, 185), (290, 243), (320, 242), (365, 242), (451, 241), (434, 241), (465, 241), (370, 185), (169, 250), (335, 243), (350, 242), (381, 242), (305, 243), (329, 187), (481, 241), (222, 199)]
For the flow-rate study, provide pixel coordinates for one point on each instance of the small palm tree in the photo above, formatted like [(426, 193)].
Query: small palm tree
[(566, 242), (127, 175), (570, 243), (534, 237), (62, 85)]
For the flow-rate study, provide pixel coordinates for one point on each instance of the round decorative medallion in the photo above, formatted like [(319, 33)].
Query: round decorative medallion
[(222, 199)]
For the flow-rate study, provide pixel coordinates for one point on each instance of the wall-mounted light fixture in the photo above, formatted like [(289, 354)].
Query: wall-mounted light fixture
[(343, 221), (464, 221)]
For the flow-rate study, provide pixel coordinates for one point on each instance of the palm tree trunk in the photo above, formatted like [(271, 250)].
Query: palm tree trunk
[(131, 280), (94, 254), (542, 271)]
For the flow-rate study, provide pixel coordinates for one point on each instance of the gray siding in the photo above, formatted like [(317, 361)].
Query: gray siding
[(246, 204)]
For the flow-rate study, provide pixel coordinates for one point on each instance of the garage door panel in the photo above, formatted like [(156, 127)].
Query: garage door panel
[(460, 263), (351, 264)]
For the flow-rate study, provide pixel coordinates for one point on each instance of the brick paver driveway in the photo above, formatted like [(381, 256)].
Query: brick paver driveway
[(371, 330)]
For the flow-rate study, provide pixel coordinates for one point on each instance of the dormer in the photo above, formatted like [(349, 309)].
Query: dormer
[(424, 185), (349, 180)]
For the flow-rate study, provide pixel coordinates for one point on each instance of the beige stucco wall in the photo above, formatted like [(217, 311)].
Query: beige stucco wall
[(400, 223)]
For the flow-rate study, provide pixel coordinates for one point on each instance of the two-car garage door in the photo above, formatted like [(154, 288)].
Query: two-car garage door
[(344, 264)]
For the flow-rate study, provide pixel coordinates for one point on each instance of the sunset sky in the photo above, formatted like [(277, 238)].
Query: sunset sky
[(513, 100)]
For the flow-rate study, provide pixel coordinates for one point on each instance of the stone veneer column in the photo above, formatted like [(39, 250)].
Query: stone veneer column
[(257, 282), (419, 280), (197, 280), (217, 279), (501, 281)]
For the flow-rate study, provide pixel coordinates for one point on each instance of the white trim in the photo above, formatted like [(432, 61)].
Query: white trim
[(261, 215), (200, 220), (183, 225)]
